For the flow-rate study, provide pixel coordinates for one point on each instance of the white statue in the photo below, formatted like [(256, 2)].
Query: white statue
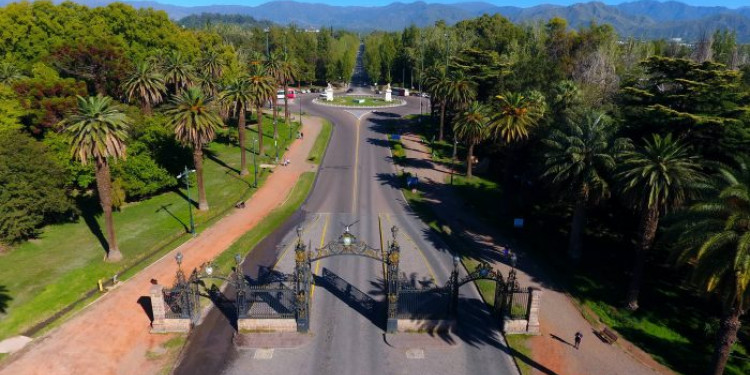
[(388, 91), (329, 93)]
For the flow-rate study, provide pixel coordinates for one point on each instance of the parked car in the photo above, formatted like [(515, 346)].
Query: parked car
[(290, 93), (280, 94)]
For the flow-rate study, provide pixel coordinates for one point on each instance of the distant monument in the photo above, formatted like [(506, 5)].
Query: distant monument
[(388, 91), (329, 93)]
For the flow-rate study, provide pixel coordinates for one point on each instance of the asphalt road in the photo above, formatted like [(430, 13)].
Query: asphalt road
[(356, 185)]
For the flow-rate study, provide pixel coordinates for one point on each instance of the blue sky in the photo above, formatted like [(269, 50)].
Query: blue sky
[(521, 3)]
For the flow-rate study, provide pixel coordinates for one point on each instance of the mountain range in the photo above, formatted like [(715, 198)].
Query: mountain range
[(643, 18)]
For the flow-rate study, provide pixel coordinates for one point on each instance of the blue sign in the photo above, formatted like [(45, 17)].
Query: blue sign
[(396, 137), (518, 223)]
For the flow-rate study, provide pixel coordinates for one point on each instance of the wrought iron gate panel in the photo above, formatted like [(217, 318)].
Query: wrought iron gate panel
[(423, 303), (268, 302)]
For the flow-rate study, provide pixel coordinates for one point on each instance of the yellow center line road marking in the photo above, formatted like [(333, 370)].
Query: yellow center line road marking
[(291, 243), (356, 164), (424, 258), (317, 263)]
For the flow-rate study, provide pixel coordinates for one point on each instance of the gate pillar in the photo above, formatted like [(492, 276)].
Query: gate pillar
[(302, 284), (392, 283)]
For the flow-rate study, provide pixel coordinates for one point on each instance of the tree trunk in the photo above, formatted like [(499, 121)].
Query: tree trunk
[(469, 157), (647, 232), (104, 188), (198, 160), (725, 338), (146, 107), (442, 120), (241, 133), (286, 104), (275, 117), (576, 228), (260, 130)]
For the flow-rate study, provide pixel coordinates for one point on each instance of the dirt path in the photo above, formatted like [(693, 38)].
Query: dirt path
[(552, 351), (111, 336)]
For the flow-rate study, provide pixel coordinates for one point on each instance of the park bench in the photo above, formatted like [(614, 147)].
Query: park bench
[(608, 335), (267, 166)]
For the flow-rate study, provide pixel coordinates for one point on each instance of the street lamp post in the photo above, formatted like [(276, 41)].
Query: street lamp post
[(267, 30), (276, 145), (453, 159), (185, 175), (255, 164)]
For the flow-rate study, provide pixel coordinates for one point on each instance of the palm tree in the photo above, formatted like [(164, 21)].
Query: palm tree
[(458, 92), (238, 96), (274, 69), (99, 131), (655, 178), (580, 158), (207, 83), (713, 238), (262, 87), (178, 72), (146, 85), (195, 126), (517, 115), (471, 127), (288, 73), (436, 83)]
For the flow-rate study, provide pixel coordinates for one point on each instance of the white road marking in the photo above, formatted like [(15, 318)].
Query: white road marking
[(263, 354), (415, 354)]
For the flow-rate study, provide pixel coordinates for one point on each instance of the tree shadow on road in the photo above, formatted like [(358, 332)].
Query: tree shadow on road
[(358, 300)]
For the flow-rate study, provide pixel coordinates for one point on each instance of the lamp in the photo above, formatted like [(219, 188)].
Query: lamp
[(178, 258), (209, 269)]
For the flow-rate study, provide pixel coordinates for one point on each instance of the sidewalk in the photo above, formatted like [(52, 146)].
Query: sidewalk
[(560, 319), (111, 336)]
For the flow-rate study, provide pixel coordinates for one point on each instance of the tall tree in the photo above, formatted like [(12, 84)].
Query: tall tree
[(458, 92), (436, 83), (655, 178), (262, 87), (471, 127), (194, 125), (9, 73), (146, 85), (98, 132), (580, 159), (239, 97), (288, 73), (713, 238), (273, 69)]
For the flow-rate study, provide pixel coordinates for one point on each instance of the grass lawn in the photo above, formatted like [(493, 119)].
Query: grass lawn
[(520, 345), (57, 272), (355, 101), (321, 143)]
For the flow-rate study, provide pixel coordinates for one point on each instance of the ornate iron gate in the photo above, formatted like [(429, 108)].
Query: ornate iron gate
[(346, 244)]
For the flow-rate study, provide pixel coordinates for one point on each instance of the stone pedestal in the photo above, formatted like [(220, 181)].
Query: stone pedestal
[(534, 303), (388, 95)]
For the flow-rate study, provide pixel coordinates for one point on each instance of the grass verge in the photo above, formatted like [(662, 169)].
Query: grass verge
[(321, 143), (519, 344)]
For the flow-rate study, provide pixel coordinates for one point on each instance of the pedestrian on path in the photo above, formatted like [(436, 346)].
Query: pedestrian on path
[(578, 338)]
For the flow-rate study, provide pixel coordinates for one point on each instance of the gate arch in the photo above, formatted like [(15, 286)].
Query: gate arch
[(346, 244)]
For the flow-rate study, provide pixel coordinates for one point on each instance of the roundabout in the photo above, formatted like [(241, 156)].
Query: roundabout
[(359, 101)]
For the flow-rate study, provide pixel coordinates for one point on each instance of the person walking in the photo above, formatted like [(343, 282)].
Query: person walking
[(578, 338)]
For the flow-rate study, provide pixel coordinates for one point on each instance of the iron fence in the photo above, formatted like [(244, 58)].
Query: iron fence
[(429, 304)]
